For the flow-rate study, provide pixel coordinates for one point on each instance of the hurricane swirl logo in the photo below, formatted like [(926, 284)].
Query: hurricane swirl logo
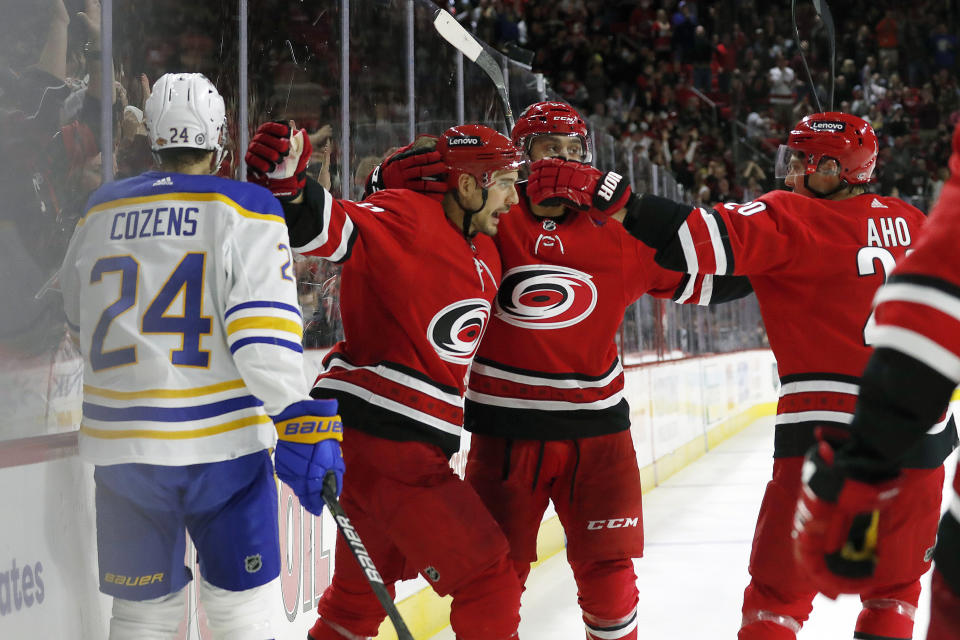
[(456, 330), (545, 297)]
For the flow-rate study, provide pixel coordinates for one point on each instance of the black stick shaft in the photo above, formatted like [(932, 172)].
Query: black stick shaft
[(363, 558)]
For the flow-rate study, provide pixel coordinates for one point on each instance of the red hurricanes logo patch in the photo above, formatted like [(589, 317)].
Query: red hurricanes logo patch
[(456, 330), (542, 296)]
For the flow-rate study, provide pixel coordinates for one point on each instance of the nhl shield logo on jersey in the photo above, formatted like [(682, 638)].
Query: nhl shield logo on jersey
[(253, 563), (456, 330), (542, 296)]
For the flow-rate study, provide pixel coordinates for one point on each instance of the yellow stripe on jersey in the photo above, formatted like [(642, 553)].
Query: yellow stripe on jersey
[(165, 393), (181, 197), (265, 322), (154, 434)]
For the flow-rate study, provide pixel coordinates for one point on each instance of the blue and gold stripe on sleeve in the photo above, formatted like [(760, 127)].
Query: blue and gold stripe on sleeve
[(264, 322)]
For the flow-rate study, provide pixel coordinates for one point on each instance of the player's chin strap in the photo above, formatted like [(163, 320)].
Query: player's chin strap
[(840, 187), (469, 213)]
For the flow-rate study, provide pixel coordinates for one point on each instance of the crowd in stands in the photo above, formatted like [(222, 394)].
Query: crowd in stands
[(709, 89), (706, 90)]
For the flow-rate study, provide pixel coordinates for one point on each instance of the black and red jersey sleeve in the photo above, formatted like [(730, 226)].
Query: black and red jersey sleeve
[(325, 227), (729, 239)]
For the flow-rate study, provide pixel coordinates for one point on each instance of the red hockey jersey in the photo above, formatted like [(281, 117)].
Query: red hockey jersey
[(547, 368), (917, 337), (815, 266), (415, 298)]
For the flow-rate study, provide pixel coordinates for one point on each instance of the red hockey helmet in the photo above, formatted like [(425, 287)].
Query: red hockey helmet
[(478, 151), (550, 118), (845, 138)]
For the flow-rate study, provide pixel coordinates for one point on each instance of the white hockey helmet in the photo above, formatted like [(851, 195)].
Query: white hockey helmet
[(185, 110)]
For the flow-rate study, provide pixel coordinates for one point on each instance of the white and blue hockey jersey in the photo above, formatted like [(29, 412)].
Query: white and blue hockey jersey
[(182, 293)]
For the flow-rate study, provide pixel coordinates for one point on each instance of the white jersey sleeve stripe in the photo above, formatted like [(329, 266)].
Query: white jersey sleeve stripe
[(321, 238), (347, 234), (719, 254), (706, 290), (688, 290), (689, 251), (919, 294), (918, 346)]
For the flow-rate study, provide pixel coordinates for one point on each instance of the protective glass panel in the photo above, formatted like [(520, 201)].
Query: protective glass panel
[(402, 79), (295, 74)]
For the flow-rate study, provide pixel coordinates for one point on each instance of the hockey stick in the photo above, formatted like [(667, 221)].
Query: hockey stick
[(454, 33), (362, 557), (823, 11)]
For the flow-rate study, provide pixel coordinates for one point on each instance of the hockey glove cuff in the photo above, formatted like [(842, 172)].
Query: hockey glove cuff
[(417, 167), (555, 182), (277, 158)]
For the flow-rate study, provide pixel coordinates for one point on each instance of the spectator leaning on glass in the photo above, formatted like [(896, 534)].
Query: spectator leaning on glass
[(418, 278), (178, 288), (545, 398), (815, 258)]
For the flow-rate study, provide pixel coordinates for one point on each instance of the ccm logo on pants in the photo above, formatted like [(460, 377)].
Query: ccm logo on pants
[(615, 523)]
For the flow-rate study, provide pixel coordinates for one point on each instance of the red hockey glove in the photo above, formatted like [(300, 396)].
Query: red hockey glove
[(277, 159), (555, 182), (836, 523), (418, 169)]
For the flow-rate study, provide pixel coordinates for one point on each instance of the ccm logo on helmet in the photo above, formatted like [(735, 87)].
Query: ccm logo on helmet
[(828, 126), (465, 141)]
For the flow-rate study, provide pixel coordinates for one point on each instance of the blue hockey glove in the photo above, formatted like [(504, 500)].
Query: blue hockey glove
[(308, 448)]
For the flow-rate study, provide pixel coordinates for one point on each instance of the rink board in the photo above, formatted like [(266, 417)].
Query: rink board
[(678, 409)]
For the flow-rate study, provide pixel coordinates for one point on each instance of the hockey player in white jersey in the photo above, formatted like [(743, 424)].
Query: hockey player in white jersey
[(179, 287)]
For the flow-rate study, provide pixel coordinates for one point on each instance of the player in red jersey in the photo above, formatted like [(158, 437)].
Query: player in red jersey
[(815, 258), (545, 401), (907, 383), (417, 284)]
